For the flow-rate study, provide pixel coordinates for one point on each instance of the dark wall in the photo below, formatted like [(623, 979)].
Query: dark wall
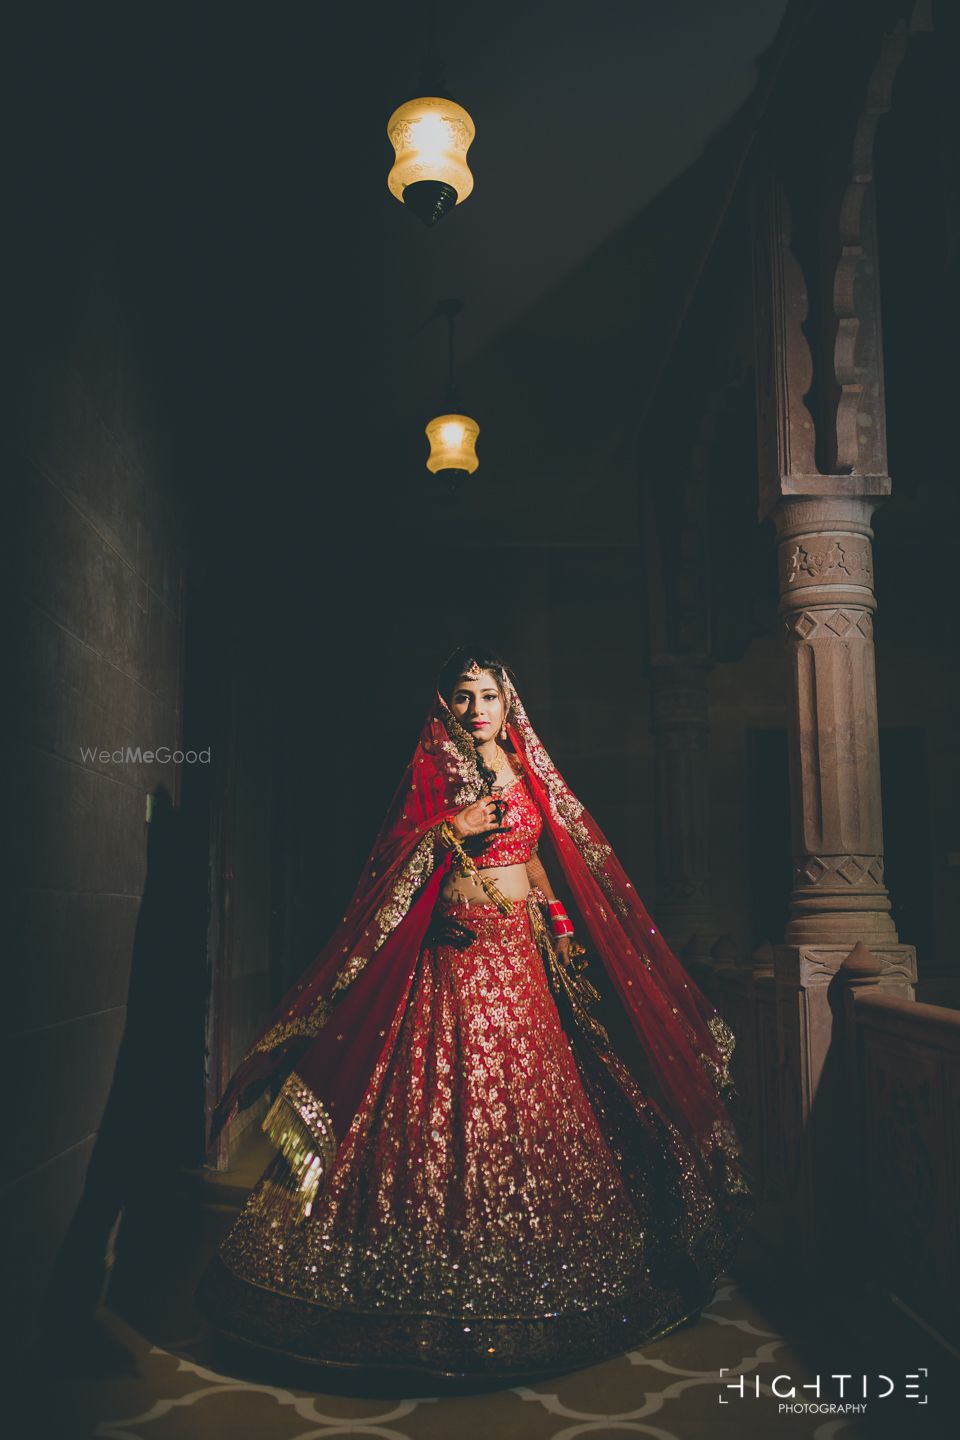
[(98, 521), (918, 654), (96, 626)]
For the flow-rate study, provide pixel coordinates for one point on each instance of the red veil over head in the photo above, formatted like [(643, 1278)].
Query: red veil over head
[(328, 1032)]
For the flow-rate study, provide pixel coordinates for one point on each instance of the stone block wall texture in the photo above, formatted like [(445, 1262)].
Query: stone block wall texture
[(96, 628)]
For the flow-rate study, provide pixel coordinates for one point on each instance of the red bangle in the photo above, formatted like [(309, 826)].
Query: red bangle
[(560, 922)]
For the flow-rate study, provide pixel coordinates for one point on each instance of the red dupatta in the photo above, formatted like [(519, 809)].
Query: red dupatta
[(329, 1030)]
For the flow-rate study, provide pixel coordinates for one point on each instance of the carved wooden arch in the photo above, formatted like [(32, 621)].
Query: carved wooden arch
[(859, 431)]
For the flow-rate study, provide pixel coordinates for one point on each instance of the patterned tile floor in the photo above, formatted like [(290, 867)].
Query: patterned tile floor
[(148, 1370)]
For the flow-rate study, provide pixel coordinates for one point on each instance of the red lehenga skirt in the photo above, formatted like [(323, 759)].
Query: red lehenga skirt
[(507, 1201)]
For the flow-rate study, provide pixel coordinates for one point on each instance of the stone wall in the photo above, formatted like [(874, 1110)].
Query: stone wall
[(96, 629)]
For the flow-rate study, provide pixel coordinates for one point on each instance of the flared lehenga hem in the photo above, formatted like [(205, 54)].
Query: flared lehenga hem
[(440, 1347), (507, 1202)]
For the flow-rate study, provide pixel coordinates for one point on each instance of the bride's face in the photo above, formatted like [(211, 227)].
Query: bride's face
[(478, 706)]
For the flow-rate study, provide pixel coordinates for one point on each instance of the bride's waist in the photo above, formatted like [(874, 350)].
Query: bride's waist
[(518, 872), (511, 880)]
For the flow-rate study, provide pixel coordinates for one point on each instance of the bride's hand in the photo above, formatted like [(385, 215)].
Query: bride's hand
[(477, 819)]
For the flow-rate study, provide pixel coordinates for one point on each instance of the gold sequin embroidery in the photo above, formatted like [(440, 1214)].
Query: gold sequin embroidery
[(307, 1025), (417, 869), (564, 806), (475, 1179)]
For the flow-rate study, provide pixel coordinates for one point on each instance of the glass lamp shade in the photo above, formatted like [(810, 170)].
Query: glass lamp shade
[(453, 440), (431, 137)]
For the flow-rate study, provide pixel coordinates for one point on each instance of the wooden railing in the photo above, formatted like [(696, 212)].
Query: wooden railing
[(897, 1178), (903, 1069)]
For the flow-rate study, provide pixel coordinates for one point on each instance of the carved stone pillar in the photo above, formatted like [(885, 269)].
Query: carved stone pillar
[(827, 603), (839, 897), (823, 471), (680, 729)]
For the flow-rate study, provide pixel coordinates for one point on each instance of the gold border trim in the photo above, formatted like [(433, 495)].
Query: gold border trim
[(302, 1129)]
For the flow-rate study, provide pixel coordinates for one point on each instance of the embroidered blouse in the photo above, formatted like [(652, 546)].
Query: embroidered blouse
[(523, 818)]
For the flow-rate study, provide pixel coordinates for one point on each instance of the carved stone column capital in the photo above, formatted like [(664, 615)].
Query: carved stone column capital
[(680, 701), (824, 553)]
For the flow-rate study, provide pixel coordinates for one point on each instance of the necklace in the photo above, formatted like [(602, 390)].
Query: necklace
[(497, 764), (502, 784)]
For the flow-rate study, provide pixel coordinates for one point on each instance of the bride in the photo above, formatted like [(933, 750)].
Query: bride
[(471, 1178)]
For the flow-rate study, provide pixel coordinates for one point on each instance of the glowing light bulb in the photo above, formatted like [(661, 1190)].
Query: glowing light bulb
[(431, 137), (453, 440)]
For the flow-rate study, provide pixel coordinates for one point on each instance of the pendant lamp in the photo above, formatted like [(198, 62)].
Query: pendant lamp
[(453, 440), (431, 137), (452, 436)]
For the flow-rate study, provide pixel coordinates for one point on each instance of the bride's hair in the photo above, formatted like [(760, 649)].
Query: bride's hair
[(455, 667)]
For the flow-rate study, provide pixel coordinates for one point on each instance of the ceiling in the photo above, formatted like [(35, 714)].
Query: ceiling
[(585, 113), (235, 158)]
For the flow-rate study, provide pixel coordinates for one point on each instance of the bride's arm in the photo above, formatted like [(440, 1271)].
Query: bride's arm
[(538, 876), (540, 881)]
